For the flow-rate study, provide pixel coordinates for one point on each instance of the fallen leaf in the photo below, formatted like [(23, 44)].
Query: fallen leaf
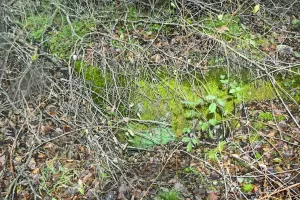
[(156, 58), (18, 159), (122, 190), (256, 8), (46, 128), (32, 164), (2, 160), (36, 171), (88, 179), (67, 128), (282, 37), (49, 145), (126, 119), (212, 196), (222, 29), (272, 133), (42, 155), (173, 180)]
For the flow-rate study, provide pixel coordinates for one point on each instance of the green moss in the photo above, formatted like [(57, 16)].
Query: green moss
[(255, 138), (37, 26), (163, 101), (268, 116), (263, 91), (259, 126), (229, 28), (62, 41), (91, 74), (60, 36)]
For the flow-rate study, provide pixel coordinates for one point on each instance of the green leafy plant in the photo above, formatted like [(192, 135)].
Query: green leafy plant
[(234, 89), (247, 187), (212, 154), (191, 142), (152, 136), (63, 178), (169, 195), (211, 105)]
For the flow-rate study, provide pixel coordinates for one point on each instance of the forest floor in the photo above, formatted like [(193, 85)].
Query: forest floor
[(54, 146)]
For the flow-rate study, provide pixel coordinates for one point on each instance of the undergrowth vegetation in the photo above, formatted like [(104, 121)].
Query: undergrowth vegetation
[(149, 100)]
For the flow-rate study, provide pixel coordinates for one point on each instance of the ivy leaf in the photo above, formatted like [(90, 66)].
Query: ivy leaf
[(231, 91), (199, 102), (190, 114), (220, 17), (247, 187), (238, 89), (221, 102), (213, 122), (186, 130), (295, 22), (222, 76), (188, 103), (186, 139), (195, 141), (210, 133), (225, 81), (277, 160), (256, 8), (210, 97), (212, 108), (189, 147), (204, 126), (173, 5)]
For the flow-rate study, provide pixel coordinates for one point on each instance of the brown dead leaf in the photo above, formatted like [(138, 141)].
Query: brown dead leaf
[(49, 145), (18, 159), (67, 128), (46, 128), (272, 133), (36, 171), (156, 58), (88, 179), (32, 164), (26, 196), (212, 196), (222, 29), (2, 160), (137, 194), (171, 181), (123, 189), (82, 148), (282, 37), (42, 155), (51, 109)]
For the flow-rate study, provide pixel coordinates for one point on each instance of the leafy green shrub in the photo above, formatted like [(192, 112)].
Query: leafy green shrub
[(170, 195), (148, 138), (212, 154)]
